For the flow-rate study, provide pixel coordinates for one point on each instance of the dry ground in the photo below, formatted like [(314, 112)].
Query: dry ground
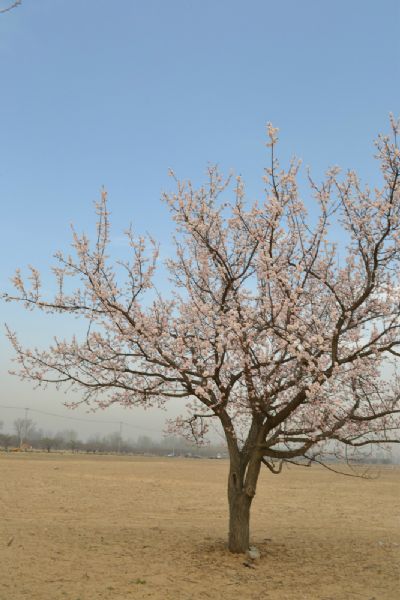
[(91, 528)]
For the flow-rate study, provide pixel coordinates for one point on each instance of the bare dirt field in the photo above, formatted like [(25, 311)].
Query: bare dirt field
[(103, 527)]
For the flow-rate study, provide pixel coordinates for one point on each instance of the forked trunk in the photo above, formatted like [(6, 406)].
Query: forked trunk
[(241, 491)]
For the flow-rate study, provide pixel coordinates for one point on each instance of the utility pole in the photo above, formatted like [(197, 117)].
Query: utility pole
[(120, 437), (24, 429)]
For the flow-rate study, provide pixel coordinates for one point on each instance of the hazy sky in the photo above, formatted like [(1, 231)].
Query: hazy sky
[(115, 93)]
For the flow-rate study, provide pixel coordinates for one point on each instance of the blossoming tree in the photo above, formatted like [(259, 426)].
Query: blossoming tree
[(267, 331)]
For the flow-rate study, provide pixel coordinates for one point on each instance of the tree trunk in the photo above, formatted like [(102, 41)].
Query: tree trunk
[(239, 520), (244, 470), (242, 484)]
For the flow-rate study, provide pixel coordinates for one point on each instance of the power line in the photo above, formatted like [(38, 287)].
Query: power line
[(82, 419)]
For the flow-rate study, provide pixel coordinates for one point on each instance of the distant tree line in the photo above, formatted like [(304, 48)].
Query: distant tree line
[(26, 435)]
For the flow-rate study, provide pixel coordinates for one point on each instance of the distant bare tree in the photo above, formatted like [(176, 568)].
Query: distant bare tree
[(23, 428), (11, 6), (114, 441), (69, 439), (48, 441), (95, 443), (6, 440)]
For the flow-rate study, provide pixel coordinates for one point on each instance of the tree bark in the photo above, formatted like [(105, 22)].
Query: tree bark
[(239, 521), (241, 491)]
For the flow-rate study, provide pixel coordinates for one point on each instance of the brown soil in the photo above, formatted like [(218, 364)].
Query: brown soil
[(88, 528)]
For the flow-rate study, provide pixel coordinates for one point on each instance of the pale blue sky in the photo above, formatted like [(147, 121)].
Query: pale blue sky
[(96, 92)]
